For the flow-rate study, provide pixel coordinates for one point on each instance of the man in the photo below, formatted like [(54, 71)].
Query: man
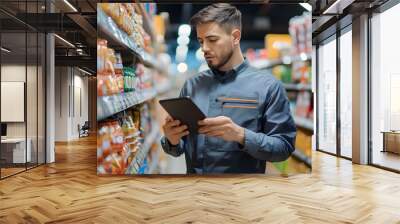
[(248, 117)]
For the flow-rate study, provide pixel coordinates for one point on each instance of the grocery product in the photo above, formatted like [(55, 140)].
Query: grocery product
[(107, 84), (278, 45), (301, 72), (145, 80), (283, 73), (127, 20), (118, 67), (129, 79), (300, 29), (118, 142), (110, 149)]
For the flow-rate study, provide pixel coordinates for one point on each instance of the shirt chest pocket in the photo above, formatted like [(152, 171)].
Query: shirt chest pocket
[(242, 109)]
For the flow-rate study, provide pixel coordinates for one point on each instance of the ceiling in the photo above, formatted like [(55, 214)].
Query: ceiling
[(259, 18)]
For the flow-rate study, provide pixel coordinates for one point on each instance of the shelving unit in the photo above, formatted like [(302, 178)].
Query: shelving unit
[(122, 102), (266, 64), (297, 87), (110, 106), (304, 123), (136, 163), (110, 31)]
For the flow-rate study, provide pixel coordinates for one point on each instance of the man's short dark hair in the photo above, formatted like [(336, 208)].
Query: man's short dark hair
[(225, 15)]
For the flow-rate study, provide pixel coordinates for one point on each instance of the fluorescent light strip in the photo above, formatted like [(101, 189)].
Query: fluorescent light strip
[(65, 41), (307, 6), (70, 5), (331, 7), (86, 72), (5, 50)]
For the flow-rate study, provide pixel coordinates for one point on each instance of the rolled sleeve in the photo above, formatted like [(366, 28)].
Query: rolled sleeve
[(173, 150), (250, 141), (276, 140)]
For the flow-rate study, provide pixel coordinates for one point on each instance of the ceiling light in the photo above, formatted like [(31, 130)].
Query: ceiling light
[(183, 40), (307, 6), (184, 30), (64, 40), (182, 67), (84, 71), (5, 50), (338, 6), (70, 5)]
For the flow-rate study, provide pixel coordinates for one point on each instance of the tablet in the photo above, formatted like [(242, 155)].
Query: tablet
[(184, 110)]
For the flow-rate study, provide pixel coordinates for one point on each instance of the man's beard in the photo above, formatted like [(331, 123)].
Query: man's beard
[(224, 60)]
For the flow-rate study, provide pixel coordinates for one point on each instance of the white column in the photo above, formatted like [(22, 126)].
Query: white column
[(360, 90), (50, 101)]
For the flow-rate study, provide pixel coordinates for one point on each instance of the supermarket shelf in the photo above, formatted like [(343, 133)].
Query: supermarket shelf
[(304, 123), (147, 23), (297, 87), (109, 30), (143, 151), (265, 64), (110, 105), (154, 164)]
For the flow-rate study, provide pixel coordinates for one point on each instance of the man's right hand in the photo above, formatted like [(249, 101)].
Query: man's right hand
[(173, 131)]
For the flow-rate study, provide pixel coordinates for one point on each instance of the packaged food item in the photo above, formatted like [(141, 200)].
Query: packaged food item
[(129, 79), (300, 29), (132, 135), (111, 148), (111, 9), (104, 142), (283, 73), (109, 70), (119, 76), (301, 72)]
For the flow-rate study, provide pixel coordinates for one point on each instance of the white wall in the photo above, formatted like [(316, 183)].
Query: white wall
[(12, 73), (69, 85)]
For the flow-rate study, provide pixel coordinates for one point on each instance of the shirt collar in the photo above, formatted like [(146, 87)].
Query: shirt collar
[(231, 74)]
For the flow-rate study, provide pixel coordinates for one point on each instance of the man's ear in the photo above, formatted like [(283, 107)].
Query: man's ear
[(236, 34)]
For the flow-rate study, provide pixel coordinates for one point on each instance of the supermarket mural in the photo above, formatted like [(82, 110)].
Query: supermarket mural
[(134, 73)]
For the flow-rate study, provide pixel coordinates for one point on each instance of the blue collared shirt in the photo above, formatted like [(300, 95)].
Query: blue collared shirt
[(254, 100)]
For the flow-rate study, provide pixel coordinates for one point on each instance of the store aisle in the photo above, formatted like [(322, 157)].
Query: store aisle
[(69, 191)]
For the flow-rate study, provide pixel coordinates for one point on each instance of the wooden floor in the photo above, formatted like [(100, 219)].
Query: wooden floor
[(70, 192)]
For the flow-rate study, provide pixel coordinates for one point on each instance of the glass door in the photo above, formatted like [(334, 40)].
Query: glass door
[(385, 89), (346, 93), (327, 96)]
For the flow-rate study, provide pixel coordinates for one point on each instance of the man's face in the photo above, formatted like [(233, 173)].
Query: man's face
[(216, 44)]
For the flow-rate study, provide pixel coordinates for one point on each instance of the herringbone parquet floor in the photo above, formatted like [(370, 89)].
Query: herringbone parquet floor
[(70, 192)]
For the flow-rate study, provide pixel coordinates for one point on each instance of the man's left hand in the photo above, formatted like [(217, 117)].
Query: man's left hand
[(222, 127)]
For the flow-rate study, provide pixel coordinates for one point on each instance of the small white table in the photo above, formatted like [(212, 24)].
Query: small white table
[(18, 150)]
